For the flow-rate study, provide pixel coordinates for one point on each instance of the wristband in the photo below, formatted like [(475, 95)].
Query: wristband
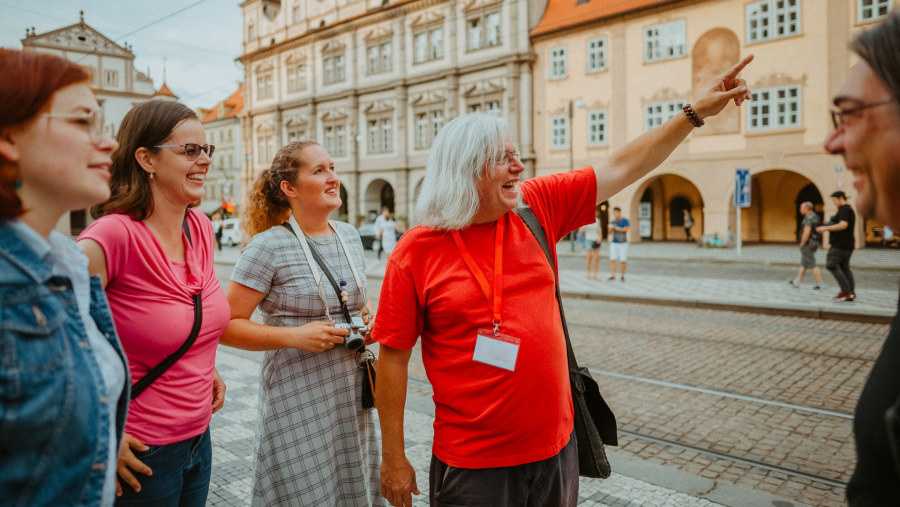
[(692, 116)]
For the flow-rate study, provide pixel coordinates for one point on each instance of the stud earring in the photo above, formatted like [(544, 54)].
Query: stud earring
[(151, 175), (18, 184)]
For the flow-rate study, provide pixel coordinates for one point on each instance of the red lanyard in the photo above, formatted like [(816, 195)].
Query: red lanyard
[(498, 269)]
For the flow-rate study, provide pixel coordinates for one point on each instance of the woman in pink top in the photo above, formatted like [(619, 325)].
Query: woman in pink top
[(154, 254)]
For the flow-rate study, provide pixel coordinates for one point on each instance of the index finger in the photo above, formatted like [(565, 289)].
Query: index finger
[(737, 68)]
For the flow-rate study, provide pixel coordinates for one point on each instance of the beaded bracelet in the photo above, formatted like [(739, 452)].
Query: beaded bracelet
[(692, 116)]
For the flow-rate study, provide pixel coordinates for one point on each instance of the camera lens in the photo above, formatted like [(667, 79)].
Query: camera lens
[(354, 341)]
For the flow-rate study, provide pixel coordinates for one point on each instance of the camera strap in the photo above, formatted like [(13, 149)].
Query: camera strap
[(311, 252)]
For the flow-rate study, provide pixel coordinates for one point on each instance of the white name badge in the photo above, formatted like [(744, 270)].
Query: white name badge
[(500, 350)]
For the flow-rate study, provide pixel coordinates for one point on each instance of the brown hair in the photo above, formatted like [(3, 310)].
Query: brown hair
[(880, 48), (267, 205), (29, 82), (146, 125)]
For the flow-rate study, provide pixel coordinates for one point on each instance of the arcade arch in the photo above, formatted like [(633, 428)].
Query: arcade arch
[(657, 213), (773, 215)]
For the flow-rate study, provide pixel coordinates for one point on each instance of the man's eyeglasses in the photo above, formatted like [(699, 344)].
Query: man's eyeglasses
[(93, 121), (508, 157), (839, 116), (192, 150)]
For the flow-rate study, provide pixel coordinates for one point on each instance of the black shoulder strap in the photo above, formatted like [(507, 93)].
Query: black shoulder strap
[(138, 387), (538, 230), (321, 262)]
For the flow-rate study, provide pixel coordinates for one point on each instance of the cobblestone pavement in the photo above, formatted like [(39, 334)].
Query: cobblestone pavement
[(232, 436)]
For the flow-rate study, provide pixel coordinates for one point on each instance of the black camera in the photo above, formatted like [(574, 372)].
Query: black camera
[(357, 327)]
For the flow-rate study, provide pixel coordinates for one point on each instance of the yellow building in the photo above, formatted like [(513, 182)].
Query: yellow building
[(607, 71)]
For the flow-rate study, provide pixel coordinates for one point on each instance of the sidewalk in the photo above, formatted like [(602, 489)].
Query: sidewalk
[(764, 296), (634, 482)]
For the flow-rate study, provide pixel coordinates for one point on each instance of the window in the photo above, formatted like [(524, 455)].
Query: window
[(335, 140), (265, 88), (427, 125), (559, 132), (597, 127), (657, 113), (334, 69), (429, 45), (486, 106), (111, 77), (296, 134), (772, 108), (295, 12), (264, 148), (380, 135), (869, 10), (378, 58), (483, 31), (558, 63), (665, 41), (596, 55), (296, 78), (771, 19)]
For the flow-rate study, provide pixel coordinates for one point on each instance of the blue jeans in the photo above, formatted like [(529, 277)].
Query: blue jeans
[(181, 473)]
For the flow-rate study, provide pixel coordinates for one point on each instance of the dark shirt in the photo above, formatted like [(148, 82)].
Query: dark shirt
[(811, 220), (844, 239), (876, 480)]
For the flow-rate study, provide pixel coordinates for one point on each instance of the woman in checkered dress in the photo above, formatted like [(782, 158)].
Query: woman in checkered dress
[(315, 444)]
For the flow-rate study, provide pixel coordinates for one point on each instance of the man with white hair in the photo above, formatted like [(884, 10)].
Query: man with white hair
[(866, 134), (475, 285)]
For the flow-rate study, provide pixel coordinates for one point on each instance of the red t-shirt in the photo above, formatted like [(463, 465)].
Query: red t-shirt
[(485, 416)]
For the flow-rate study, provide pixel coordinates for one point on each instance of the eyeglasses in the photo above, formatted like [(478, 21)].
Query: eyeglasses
[(93, 121), (508, 157), (839, 116), (192, 150)]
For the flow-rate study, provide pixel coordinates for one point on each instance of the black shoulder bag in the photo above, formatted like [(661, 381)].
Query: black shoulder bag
[(367, 364), (595, 423), (138, 387)]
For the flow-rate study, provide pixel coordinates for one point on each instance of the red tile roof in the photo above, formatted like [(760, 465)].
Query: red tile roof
[(562, 14), (164, 90), (229, 107)]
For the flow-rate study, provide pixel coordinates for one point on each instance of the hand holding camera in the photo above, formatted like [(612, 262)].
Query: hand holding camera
[(358, 328)]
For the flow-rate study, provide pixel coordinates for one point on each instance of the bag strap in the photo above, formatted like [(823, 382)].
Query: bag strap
[(321, 262), (141, 385), (537, 230)]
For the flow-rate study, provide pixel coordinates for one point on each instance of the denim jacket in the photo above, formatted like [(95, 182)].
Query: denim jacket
[(54, 437)]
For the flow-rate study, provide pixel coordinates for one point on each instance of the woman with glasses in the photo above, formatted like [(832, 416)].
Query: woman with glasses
[(316, 443), (63, 375), (154, 251)]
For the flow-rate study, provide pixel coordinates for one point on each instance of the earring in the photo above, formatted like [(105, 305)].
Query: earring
[(151, 175), (18, 184)]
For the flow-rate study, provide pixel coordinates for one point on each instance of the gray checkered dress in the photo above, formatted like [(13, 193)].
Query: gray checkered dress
[(315, 445)]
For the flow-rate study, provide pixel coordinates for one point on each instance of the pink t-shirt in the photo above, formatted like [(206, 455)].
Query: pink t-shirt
[(150, 299)]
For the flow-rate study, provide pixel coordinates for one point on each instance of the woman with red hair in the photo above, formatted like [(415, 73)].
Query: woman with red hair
[(62, 372)]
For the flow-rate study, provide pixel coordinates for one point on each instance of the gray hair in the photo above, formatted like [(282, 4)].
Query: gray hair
[(880, 48), (461, 152)]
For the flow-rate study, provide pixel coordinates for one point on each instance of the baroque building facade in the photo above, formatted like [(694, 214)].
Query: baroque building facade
[(373, 81), (118, 85), (223, 190), (606, 72)]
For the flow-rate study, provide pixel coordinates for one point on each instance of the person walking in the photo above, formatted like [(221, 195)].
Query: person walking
[(472, 282), (153, 252), (218, 230), (841, 227), (809, 243), (688, 223), (866, 134), (386, 233), (618, 246), (316, 444), (63, 399), (592, 239)]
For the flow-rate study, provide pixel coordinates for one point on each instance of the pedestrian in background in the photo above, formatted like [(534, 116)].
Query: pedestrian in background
[(154, 253), (386, 233), (809, 243), (472, 282), (315, 443), (63, 374), (866, 134), (218, 230), (618, 246), (841, 227), (688, 223), (592, 239)]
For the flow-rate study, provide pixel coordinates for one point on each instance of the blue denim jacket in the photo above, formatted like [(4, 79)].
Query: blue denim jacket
[(54, 437)]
